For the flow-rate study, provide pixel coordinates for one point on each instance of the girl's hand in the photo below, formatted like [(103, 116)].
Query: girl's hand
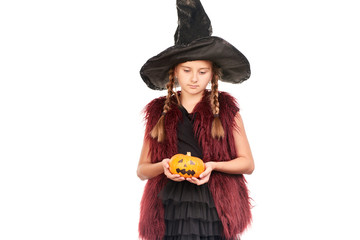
[(205, 176), (168, 174)]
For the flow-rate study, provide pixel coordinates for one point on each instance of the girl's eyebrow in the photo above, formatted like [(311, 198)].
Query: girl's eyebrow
[(199, 68)]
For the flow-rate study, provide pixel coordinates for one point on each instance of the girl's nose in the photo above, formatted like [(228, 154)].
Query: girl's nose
[(194, 78)]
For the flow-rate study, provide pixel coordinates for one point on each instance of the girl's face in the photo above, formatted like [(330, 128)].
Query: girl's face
[(193, 76)]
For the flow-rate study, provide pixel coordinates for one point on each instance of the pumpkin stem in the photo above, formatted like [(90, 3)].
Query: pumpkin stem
[(188, 153)]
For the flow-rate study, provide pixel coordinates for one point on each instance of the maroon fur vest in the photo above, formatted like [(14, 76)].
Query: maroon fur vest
[(229, 191)]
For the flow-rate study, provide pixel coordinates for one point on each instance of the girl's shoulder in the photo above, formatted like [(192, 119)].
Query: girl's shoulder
[(225, 96), (152, 112), (155, 106), (228, 103), (156, 101)]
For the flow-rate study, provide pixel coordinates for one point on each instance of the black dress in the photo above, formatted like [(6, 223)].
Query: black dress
[(190, 212)]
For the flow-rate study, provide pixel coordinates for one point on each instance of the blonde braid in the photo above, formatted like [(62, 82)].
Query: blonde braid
[(159, 129), (217, 130)]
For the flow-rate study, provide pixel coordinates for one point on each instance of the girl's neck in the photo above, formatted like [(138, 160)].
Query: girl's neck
[(189, 101)]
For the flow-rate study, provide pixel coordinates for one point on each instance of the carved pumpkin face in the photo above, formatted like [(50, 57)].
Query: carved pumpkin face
[(186, 165)]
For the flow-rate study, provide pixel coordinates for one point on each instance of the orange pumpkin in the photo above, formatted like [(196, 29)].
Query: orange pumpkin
[(186, 165)]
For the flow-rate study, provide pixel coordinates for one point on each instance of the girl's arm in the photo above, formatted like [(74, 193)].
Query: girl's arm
[(146, 169), (243, 164)]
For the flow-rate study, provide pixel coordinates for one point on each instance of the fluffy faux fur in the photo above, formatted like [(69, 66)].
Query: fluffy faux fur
[(229, 192)]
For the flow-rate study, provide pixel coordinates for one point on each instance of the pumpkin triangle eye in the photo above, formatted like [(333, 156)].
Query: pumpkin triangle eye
[(192, 163), (180, 161)]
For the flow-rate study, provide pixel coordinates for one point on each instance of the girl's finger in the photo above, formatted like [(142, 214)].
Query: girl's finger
[(193, 180), (205, 173), (178, 178)]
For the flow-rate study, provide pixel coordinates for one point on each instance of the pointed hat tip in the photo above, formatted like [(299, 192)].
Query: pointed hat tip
[(193, 22)]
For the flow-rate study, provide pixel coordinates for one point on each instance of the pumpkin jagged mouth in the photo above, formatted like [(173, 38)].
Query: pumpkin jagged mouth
[(188, 172)]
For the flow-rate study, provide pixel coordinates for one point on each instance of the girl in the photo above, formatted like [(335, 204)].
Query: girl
[(205, 123)]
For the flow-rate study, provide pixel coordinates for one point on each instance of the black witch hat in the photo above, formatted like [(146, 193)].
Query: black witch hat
[(193, 41)]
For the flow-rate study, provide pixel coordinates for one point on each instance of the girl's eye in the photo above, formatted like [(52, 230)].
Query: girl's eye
[(202, 72), (186, 70)]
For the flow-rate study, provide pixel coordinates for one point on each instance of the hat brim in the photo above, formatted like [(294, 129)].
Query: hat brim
[(234, 65)]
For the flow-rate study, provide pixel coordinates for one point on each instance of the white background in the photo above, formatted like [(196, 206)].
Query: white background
[(71, 125)]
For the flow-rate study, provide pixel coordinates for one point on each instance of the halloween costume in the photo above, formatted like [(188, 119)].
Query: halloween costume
[(229, 192), (224, 199)]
